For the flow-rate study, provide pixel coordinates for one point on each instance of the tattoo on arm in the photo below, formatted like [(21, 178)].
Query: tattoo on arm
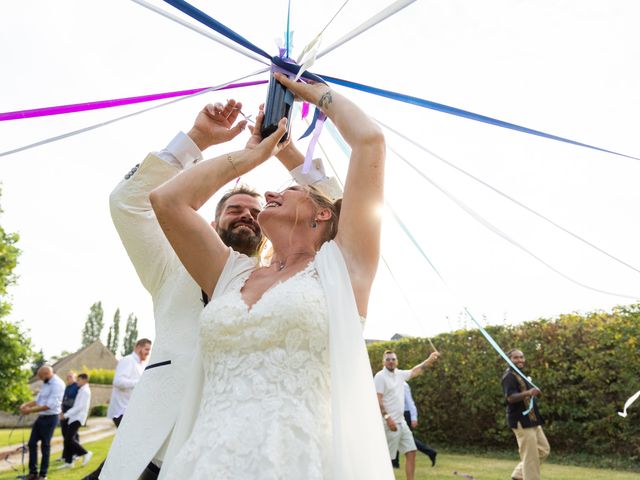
[(325, 99)]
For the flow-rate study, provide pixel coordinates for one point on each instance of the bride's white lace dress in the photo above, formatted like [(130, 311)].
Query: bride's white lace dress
[(265, 411)]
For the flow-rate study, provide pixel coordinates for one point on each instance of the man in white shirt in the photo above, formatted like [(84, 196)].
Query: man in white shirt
[(128, 373), (48, 404), (75, 417), (389, 383)]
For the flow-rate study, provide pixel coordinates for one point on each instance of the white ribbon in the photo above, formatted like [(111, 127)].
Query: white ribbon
[(628, 403), (372, 22), (202, 31)]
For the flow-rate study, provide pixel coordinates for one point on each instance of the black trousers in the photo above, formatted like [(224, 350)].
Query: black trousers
[(42, 431), (422, 447), (63, 426), (72, 442), (150, 473)]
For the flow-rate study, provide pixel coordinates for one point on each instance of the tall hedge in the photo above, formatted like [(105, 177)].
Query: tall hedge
[(586, 365)]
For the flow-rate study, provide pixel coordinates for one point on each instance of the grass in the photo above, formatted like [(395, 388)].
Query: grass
[(486, 468), (480, 467), (99, 449), (9, 437)]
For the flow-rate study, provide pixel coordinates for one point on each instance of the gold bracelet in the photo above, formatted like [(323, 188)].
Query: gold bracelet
[(232, 164)]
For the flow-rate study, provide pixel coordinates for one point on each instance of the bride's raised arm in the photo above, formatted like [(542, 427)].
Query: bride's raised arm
[(360, 221), (176, 205)]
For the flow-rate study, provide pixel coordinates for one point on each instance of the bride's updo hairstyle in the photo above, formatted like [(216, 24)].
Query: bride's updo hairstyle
[(322, 201)]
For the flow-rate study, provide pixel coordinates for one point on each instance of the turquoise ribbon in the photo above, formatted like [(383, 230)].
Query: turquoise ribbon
[(347, 151)]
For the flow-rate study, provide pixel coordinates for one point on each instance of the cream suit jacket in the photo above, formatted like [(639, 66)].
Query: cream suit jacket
[(177, 303)]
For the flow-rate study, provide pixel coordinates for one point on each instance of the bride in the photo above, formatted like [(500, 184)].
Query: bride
[(284, 387)]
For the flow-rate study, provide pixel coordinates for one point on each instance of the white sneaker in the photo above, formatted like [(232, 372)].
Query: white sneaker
[(65, 466), (87, 458), (60, 459)]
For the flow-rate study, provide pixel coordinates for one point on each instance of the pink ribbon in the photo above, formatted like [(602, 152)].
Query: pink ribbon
[(118, 102)]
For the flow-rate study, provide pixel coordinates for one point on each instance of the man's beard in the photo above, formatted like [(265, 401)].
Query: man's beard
[(242, 242)]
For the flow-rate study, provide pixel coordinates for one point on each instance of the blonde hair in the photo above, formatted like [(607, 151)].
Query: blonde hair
[(322, 201)]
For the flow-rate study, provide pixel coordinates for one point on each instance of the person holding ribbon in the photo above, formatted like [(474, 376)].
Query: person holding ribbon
[(271, 397), (524, 419), (138, 449)]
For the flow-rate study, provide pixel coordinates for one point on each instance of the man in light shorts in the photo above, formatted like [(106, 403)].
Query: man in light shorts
[(389, 384)]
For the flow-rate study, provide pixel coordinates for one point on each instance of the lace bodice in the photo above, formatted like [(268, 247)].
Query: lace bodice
[(266, 400)]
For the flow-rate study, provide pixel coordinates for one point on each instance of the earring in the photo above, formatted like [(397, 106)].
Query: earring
[(314, 224)]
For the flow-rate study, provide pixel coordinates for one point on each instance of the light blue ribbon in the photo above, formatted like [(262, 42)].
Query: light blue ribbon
[(347, 151)]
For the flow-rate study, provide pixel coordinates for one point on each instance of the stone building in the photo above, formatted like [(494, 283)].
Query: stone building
[(93, 356)]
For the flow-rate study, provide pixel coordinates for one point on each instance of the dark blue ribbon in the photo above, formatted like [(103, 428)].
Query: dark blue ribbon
[(462, 113), (230, 34), (312, 125), (205, 19)]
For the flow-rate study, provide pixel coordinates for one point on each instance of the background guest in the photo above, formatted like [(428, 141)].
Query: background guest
[(75, 417), (48, 404), (68, 398)]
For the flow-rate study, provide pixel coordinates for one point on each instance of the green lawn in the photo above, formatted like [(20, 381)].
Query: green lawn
[(484, 468), (99, 449), (481, 468), (16, 435)]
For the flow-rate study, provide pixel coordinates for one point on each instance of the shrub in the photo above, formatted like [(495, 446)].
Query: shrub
[(99, 376), (98, 411), (585, 364)]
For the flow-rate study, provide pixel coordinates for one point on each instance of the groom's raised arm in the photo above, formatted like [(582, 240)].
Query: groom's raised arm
[(133, 216)]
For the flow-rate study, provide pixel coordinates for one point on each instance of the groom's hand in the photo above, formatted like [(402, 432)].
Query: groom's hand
[(215, 124)]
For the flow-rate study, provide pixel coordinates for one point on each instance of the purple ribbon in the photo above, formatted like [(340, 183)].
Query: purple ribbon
[(315, 126), (118, 102), (305, 110), (312, 143)]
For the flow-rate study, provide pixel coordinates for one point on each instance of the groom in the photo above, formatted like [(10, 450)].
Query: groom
[(138, 448)]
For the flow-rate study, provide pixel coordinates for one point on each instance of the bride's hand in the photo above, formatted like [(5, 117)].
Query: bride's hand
[(270, 146), (317, 93), (256, 138)]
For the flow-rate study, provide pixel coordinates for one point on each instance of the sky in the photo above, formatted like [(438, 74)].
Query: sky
[(569, 68)]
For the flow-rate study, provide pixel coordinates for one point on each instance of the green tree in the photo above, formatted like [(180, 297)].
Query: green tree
[(130, 334), (9, 254), (15, 345), (94, 324), (15, 353), (113, 339), (37, 362)]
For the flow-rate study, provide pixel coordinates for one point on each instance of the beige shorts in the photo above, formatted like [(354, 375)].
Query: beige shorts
[(401, 440)]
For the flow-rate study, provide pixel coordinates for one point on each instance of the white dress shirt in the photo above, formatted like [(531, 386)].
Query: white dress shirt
[(391, 386), (50, 395), (128, 373), (80, 410)]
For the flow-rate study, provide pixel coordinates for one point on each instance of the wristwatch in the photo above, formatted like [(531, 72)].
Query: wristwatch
[(386, 416)]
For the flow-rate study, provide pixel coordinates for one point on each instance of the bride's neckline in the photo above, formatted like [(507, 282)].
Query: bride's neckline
[(250, 308)]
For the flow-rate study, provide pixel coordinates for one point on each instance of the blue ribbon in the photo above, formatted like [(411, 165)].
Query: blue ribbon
[(312, 124), (205, 19), (288, 29), (230, 34), (462, 113)]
